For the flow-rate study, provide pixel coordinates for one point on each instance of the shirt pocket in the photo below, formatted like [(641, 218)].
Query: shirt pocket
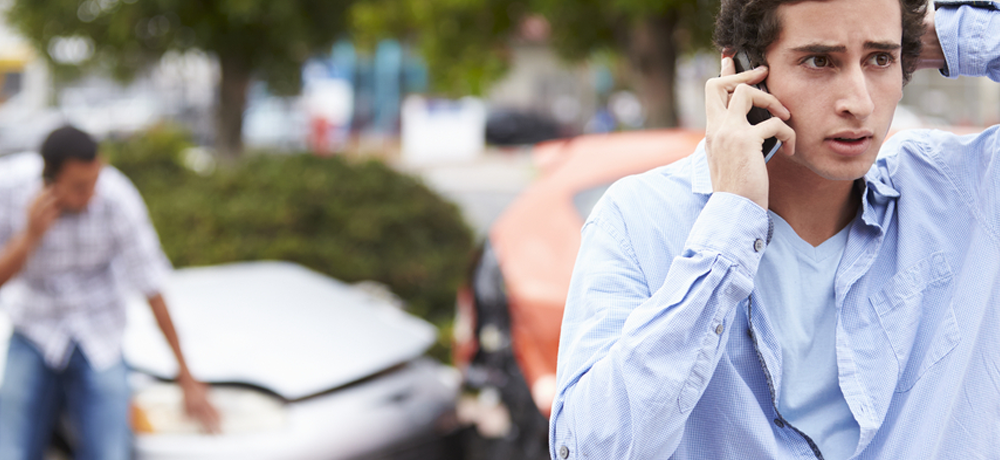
[(916, 312)]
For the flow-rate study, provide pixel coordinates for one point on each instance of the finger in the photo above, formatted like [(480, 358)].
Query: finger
[(200, 409), (723, 87), (196, 411), (728, 67), (46, 200), (210, 418), (51, 203), (50, 215), (48, 192), (746, 97), (774, 127)]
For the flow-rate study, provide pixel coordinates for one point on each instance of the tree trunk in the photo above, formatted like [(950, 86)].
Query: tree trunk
[(229, 112), (653, 55)]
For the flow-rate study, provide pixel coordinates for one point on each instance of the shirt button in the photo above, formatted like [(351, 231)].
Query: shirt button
[(563, 452), (719, 329), (758, 245), (777, 421)]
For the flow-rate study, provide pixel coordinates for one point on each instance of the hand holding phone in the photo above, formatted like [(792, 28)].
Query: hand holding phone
[(731, 141), (42, 212), (756, 114)]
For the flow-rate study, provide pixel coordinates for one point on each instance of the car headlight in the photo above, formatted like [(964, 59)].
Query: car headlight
[(158, 408)]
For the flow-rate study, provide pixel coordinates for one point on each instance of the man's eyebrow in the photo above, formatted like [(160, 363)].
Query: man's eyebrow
[(882, 46), (817, 48)]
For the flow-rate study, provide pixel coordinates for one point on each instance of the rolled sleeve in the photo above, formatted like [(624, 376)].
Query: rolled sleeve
[(968, 35), (140, 260), (734, 227)]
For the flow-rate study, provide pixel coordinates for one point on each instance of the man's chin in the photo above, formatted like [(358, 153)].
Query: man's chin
[(845, 171)]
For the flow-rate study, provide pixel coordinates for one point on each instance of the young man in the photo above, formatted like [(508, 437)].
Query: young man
[(827, 304), (67, 235)]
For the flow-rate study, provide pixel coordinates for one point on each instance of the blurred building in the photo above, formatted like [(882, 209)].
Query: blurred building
[(543, 89), (25, 87), (963, 101)]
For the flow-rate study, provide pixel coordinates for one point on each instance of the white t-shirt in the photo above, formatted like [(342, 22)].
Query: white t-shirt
[(795, 282)]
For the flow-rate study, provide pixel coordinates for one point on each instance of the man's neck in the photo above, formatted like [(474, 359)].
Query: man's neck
[(815, 207)]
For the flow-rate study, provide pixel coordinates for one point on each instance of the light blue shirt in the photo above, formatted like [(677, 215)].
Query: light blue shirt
[(666, 353), (795, 282)]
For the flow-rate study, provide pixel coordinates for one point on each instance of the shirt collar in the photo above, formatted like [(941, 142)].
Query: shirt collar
[(877, 193), (877, 196), (701, 178)]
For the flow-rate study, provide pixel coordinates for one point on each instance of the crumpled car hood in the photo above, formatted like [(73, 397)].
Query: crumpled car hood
[(275, 325)]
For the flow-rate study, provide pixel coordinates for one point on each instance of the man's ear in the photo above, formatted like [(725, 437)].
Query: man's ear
[(48, 176)]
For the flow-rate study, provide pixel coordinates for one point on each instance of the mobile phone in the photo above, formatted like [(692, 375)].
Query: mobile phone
[(757, 114)]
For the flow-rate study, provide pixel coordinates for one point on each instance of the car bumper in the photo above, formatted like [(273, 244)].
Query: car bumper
[(409, 404)]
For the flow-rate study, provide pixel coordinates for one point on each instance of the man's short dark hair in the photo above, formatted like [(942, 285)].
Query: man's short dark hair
[(752, 25), (63, 144)]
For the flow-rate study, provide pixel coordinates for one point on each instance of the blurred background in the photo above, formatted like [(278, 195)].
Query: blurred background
[(430, 158)]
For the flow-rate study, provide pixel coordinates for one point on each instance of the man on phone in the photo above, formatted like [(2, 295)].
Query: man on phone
[(840, 301), (66, 236)]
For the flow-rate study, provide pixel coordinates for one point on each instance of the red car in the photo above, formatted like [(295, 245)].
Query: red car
[(507, 328)]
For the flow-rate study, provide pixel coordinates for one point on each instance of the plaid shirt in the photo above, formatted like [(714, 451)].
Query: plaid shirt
[(68, 290)]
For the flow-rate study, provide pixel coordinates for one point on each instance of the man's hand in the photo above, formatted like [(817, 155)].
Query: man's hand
[(196, 403), (931, 54), (44, 210), (734, 145)]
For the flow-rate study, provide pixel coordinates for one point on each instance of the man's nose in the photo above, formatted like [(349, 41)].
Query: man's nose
[(855, 99)]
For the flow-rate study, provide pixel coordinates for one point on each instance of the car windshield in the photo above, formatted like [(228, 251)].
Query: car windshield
[(585, 200)]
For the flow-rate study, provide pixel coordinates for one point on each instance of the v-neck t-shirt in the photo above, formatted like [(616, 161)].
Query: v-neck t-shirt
[(796, 285)]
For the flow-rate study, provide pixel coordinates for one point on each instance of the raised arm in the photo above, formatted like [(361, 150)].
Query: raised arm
[(636, 354), (966, 33), (43, 211)]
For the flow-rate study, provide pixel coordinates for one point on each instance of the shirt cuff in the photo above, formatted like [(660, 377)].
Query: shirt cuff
[(965, 30), (734, 227)]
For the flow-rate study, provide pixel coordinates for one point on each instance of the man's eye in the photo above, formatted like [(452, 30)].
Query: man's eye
[(817, 61), (882, 60)]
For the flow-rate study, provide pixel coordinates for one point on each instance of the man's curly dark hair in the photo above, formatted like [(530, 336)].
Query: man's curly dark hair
[(752, 25)]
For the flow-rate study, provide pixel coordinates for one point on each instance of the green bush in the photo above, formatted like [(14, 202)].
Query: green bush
[(351, 220)]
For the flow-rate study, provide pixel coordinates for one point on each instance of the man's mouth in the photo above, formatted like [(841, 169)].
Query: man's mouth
[(850, 144), (850, 139)]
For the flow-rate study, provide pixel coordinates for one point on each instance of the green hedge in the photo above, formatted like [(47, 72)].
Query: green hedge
[(352, 220)]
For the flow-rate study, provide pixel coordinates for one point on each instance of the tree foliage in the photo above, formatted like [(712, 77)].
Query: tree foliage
[(466, 42), (264, 39), (463, 41)]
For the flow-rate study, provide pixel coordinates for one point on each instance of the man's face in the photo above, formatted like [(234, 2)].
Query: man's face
[(74, 184), (836, 67)]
